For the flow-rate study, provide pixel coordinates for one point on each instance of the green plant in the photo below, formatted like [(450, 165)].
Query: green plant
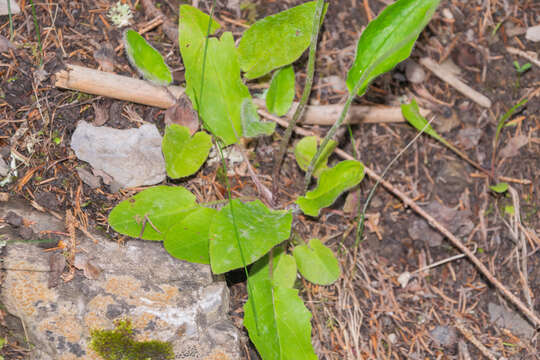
[(119, 344), (243, 234)]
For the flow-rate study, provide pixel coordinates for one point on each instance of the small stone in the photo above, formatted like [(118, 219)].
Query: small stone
[(4, 168), (132, 157), (511, 320), (14, 219), (15, 9), (447, 14), (48, 200), (26, 233), (533, 33), (414, 72), (444, 335), (88, 178)]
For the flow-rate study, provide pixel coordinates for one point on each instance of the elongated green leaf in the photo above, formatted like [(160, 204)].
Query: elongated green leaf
[(252, 124), (507, 116), (147, 60), (281, 328), (411, 112), (284, 273), (332, 183), (157, 209), (184, 155), (317, 263), (385, 41), (280, 95), (276, 40), (223, 91), (306, 149), (258, 229), (188, 239)]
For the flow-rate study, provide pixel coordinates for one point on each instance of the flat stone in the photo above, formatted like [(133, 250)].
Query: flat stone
[(165, 298), (533, 33), (15, 9), (132, 156), (510, 320)]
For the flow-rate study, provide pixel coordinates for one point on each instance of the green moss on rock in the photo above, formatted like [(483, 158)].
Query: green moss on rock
[(119, 344)]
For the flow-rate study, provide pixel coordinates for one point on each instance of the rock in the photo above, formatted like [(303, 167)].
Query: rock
[(164, 298), (13, 219), (414, 72), (444, 335), (132, 157), (4, 168), (456, 221), (510, 320), (533, 33), (88, 178), (15, 9)]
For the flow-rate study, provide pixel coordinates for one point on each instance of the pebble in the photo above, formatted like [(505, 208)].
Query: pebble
[(414, 72), (533, 33)]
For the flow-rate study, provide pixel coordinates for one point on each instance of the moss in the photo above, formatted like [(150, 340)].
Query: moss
[(119, 344)]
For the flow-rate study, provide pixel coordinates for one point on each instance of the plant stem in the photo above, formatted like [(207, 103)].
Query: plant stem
[(38, 35), (10, 20), (305, 94)]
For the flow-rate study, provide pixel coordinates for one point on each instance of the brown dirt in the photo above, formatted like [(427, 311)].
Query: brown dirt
[(366, 314)]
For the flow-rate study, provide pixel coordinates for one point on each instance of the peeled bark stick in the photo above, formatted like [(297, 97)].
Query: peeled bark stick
[(97, 82), (530, 314), (457, 84), (101, 83)]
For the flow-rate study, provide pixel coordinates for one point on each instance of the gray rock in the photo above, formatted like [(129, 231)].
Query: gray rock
[(132, 157), (510, 320), (533, 33), (444, 335), (4, 168), (166, 299), (15, 9), (414, 72)]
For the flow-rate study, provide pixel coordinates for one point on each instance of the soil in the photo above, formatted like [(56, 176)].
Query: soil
[(366, 314)]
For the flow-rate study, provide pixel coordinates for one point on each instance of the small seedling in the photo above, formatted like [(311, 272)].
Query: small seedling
[(521, 68)]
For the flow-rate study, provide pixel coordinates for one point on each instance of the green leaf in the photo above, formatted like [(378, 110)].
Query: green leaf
[(184, 155), (220, 105), (411, 112), (276, 40), (500, 187), (147, 60), (280, 328), (507, 116), (388, 40), (188, 239), (160, 207), (280, 95), (317, 263), (284, 273), (258, 229), (251, 123), (306, 149), (332, 183)]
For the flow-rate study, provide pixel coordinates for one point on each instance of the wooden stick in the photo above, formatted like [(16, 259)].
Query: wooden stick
[(101, 83), (453, 81)]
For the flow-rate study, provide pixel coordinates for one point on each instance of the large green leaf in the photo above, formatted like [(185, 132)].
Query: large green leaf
[(159, 207), (284, 273), (147, 60), (280, 95), (258, 230), (389, 39), (276, 40), (306, 149), (332, 183), (280, 327), (316, 262), (188, 239), (184, 155), (223, 90), (252, 124)]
